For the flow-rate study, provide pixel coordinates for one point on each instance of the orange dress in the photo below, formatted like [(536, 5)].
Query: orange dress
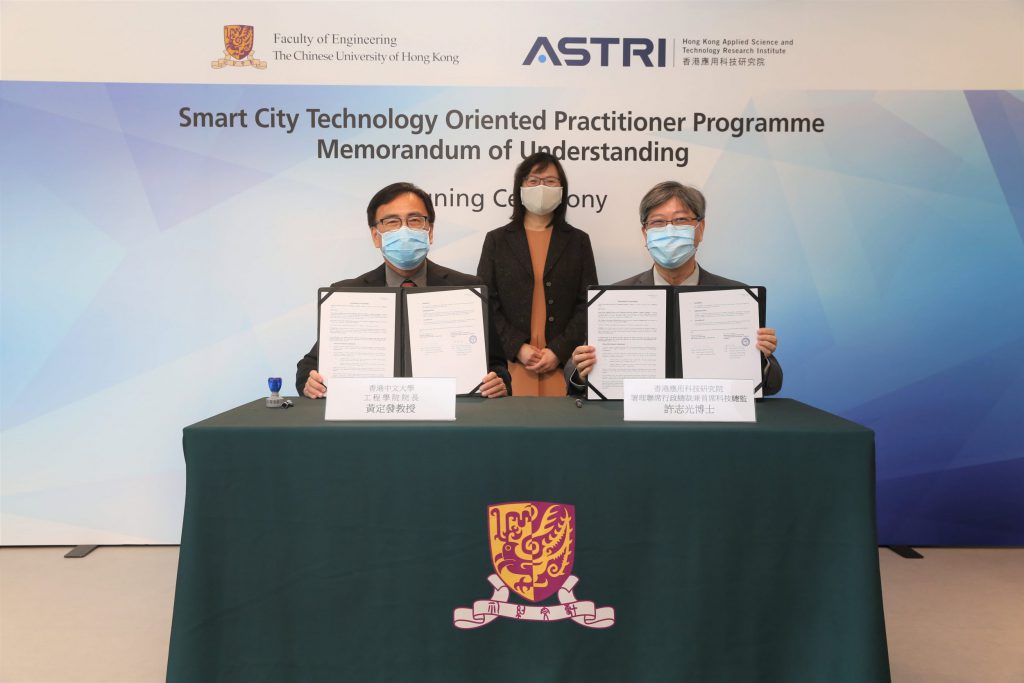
[(526, 382)]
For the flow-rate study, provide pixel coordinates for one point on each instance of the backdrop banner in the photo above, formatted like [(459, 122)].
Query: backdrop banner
[(178, 178)]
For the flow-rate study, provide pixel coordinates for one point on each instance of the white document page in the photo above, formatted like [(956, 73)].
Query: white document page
[(446, 336), (627, 329), (357, 335), (718, 335)]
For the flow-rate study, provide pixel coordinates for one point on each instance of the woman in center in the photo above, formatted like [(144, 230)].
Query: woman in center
[(537, 270)]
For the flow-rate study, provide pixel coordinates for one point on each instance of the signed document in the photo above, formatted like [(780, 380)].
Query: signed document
[(627, 327), (357, 335), (718, 335), (446, 336)]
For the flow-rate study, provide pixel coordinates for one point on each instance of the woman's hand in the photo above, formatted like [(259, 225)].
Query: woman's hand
[(546, 361), (528, 354)]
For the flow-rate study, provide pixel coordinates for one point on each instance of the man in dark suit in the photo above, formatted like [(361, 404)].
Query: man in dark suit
[(672, 222), (401, 219)]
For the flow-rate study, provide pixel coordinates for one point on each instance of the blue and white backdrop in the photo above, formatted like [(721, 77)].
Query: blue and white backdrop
[(154, 274)]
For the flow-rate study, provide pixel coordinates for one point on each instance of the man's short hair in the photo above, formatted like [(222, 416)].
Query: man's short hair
[(662, 192), (392, 192)]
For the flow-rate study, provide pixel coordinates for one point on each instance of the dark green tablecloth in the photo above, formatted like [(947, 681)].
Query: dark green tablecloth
[(337, 551)]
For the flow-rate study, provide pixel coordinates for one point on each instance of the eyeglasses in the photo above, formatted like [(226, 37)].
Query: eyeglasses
[(413, 220), (679, 222), (534, 181)]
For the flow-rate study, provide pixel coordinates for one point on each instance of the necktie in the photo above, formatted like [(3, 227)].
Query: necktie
[(408, 283)]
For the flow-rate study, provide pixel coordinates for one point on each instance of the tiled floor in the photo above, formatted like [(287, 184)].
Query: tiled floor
[(957, 615)]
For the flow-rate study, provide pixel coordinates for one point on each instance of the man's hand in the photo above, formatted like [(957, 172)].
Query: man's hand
[(766, 341), (528, 354), (546, 361), (315, 385), (584, 358), (493, 386)]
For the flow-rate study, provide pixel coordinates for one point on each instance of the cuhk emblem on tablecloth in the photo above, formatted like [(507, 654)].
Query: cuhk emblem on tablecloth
[(532, 547), (238, 42)]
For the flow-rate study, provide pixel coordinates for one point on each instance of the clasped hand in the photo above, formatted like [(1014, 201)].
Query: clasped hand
[(537, 360)]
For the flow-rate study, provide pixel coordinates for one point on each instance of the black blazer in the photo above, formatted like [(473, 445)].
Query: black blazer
[(437, 276), (569, 269), (772, 369)]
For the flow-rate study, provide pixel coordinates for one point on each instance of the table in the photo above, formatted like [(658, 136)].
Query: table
[(338, 551)]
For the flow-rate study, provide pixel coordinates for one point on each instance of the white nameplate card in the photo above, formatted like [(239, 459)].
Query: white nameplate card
[(688, 400), (391, 398)]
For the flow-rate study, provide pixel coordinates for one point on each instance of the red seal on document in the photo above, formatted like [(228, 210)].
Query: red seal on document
[(533, 545)]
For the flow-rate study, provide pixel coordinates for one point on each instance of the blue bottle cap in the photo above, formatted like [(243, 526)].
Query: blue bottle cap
[(274, 383)]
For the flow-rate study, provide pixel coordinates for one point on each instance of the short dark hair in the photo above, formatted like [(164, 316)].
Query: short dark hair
[(662, 192), (542, 159), (392, 192)]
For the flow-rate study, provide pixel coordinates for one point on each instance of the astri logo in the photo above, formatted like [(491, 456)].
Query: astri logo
[(573, 51), (238, 41), (533, 546)]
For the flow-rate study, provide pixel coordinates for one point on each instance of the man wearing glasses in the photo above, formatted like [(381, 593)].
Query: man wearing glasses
[(672, 222), (401, 219)]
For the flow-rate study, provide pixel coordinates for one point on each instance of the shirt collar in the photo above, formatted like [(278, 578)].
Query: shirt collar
[(393, 279), (691, 280)]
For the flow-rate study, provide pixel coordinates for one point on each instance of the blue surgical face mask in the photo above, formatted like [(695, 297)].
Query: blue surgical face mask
[(405, 248), (672, 245)]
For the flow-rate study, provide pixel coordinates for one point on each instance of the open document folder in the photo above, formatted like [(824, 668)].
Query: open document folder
[(404, 332), (682, 332)]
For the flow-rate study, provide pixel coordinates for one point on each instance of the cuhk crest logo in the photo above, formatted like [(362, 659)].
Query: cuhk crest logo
[(533, 545), (238, 42)]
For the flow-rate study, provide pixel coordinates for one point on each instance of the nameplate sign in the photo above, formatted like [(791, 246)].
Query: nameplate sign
[(396, 398), (688, 400)]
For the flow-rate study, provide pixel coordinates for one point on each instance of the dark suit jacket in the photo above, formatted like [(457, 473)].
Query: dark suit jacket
[(706, 279), (507, 270), (437, 276), (772, 368)]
